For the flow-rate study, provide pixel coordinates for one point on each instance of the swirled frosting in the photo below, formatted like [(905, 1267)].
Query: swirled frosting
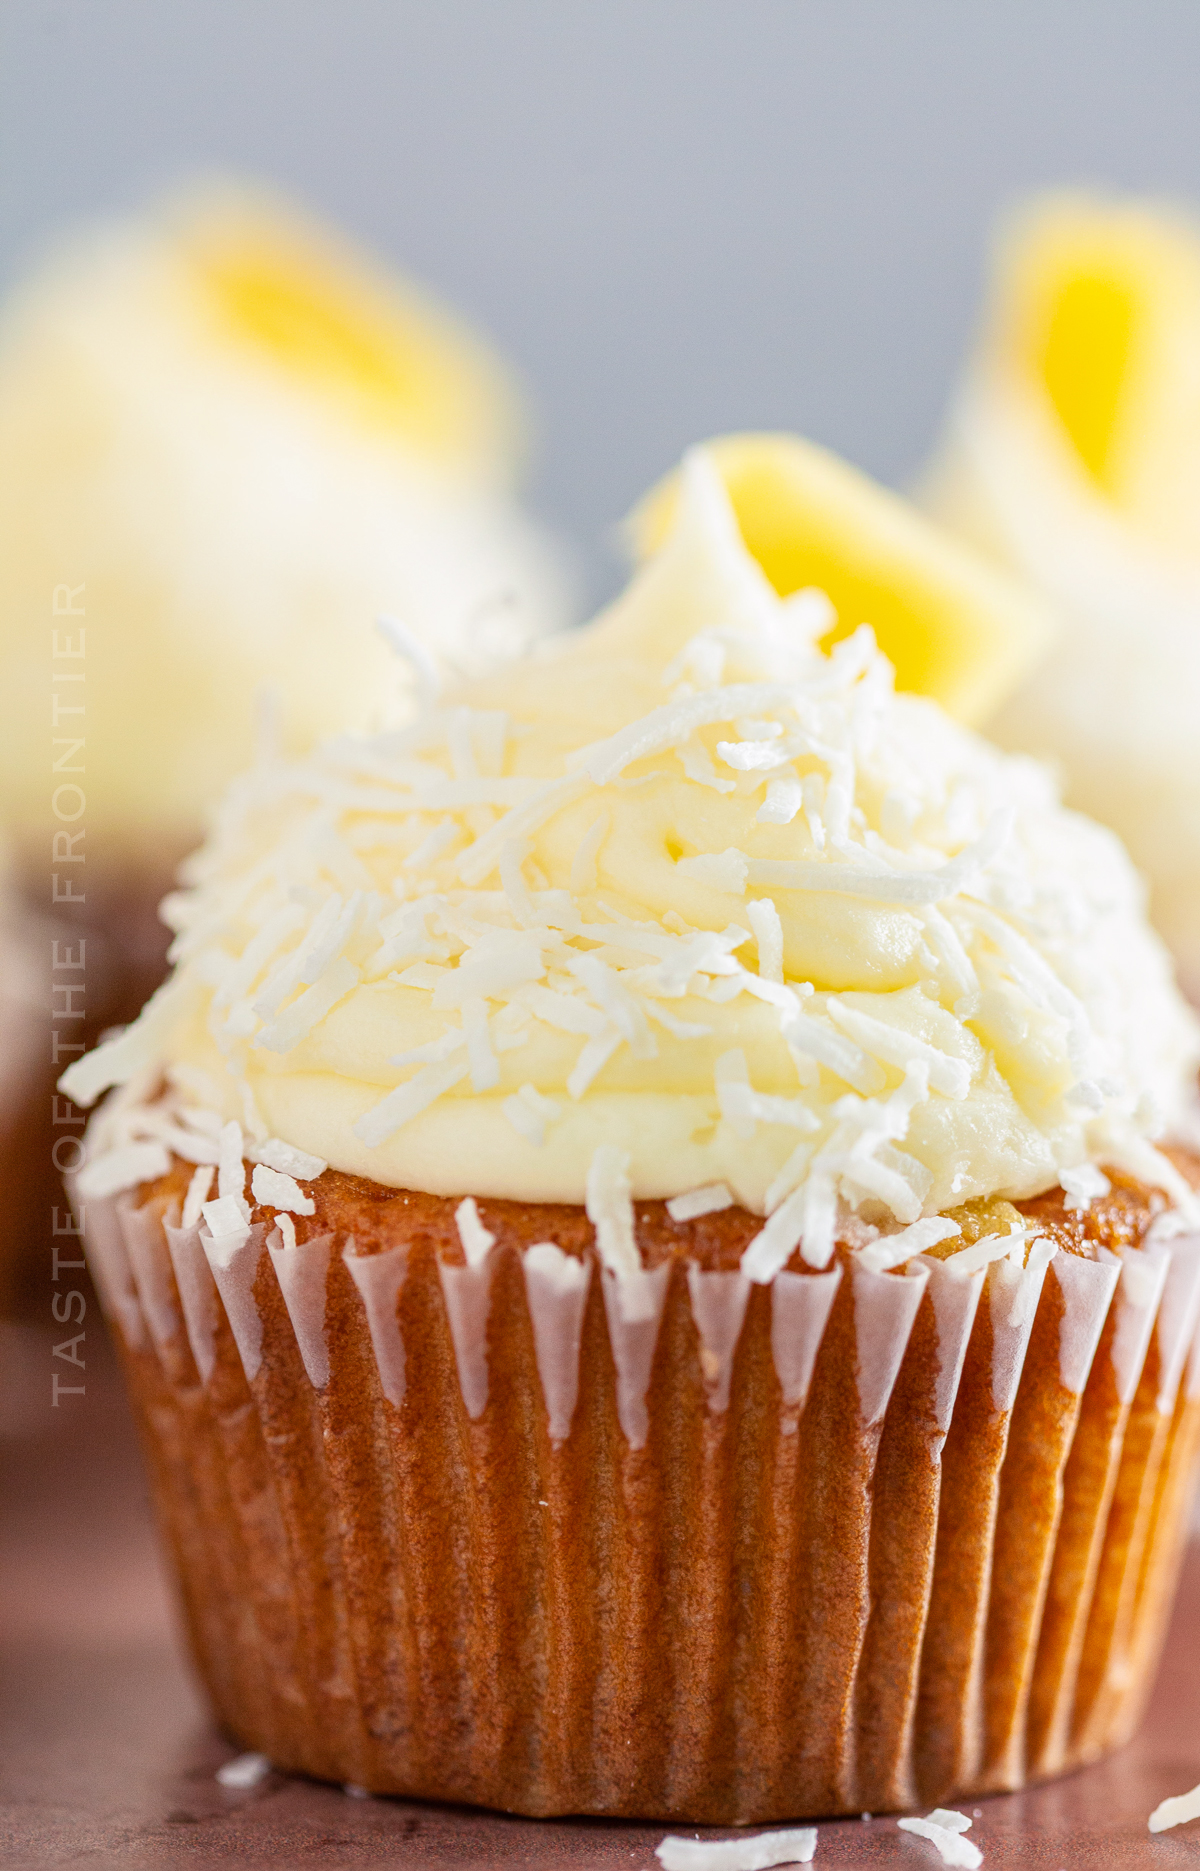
[(683, 898)]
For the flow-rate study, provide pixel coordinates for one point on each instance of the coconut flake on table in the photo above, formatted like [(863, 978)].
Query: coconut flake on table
[(1176, 1811), (944, 1829), (244, 1771), (761, 1851)]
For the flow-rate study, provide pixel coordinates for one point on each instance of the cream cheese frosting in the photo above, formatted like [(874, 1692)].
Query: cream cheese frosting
[(225, 439), (1072, 456), (682, 901)]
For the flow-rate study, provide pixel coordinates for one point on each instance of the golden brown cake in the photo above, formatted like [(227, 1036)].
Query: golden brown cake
[(723, 1595), (637, 1237)]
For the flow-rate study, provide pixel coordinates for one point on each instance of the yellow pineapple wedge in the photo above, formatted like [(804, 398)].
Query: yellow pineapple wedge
[(1072, 455), (953, 626), (236, 438), (296, 298)]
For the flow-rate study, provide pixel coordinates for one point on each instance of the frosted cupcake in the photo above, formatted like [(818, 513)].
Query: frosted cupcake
[(1072, 454), (636, 1228), (226, 439)]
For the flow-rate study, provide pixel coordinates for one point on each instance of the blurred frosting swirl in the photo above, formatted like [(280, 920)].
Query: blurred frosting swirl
[(1072, 456), (227, 439)]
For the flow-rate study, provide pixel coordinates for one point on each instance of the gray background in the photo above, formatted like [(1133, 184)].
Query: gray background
[(675, 216)]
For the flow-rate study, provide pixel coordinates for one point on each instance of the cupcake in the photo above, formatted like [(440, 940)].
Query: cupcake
[(225, 439), (1072, 455), (646, 1231), (23, 1045)]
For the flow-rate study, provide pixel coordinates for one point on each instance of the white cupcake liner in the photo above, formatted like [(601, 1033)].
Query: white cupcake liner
[(515, 1534)]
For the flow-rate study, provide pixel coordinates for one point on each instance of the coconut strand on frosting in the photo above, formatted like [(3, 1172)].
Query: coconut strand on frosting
[(681, 902)]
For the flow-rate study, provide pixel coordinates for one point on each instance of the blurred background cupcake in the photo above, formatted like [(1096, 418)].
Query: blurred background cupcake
[(227, 441), (1072, 454), (22, 1049)]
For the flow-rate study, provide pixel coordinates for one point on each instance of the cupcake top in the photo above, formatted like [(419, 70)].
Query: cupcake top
[(1072, 453), (226, 438), (691, 903)]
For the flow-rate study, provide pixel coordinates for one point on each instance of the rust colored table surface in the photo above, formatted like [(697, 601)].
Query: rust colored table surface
[(107, 1753)]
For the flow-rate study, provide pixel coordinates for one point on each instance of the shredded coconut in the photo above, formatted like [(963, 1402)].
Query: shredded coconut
[(768, 933), (894, 1249), (287, 1159), (226, 1218), (610, 1211), (477, 1241), (785, 796), (943, 983), (758, 1851), (243, 1772), (893, 1047), (804, 1220), (593, 1057), (408, 1101), (945, 1831), (122, 1168), (707, 1201), (197, 1195), (1082, 1185), (1176, 1811), (983, 1252), (530, 1113), (231, 1169), (484, 1065), (273, 1190), (302, 1015)]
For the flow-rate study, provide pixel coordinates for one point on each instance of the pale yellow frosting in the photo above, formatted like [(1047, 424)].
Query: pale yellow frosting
[(684, 885), (1072, 455), (226, 443)]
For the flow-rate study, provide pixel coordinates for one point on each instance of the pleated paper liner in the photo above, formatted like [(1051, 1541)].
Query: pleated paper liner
[(70, 972), (520, 1535)]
